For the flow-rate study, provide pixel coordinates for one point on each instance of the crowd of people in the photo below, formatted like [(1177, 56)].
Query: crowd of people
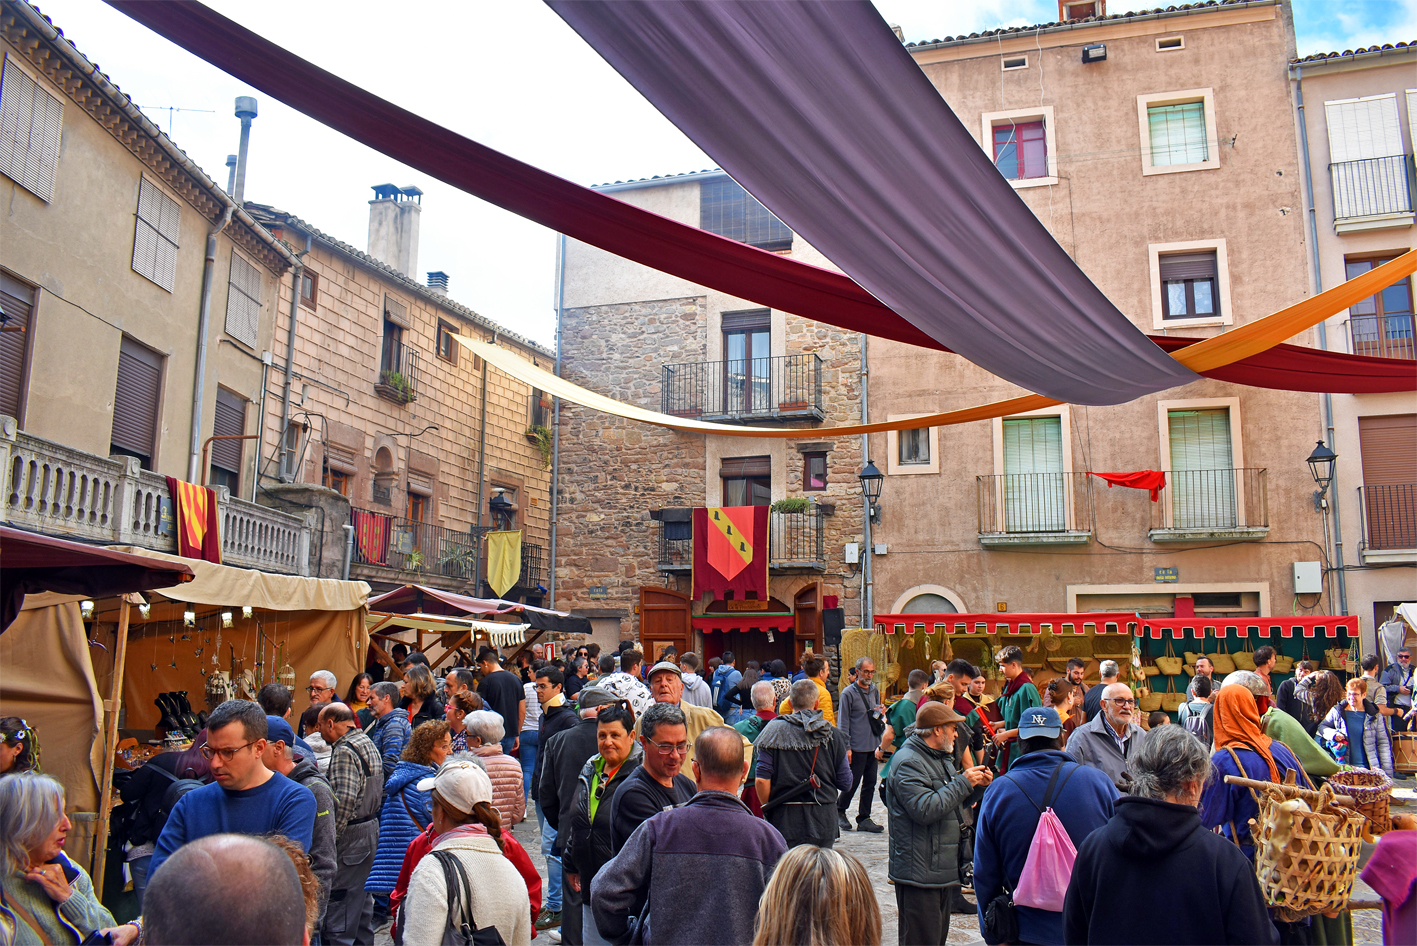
[(682, 808)]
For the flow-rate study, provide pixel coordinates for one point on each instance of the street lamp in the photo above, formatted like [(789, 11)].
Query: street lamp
[(1321, 463), (501, 508), (872, 480)]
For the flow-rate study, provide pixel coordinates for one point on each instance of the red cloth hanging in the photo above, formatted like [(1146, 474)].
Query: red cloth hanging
[(371, 536), (1152, 480), (198, 532), (731, 551)]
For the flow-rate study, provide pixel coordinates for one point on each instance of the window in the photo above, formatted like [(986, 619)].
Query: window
[(1020, 151), (155, 235), (914, 446), (228, 421), (747, 481), (135, 402), (447, 346), (1381, 324), (1202, 475), (1079, 9), (747, 362), (337, 480), (1034, 478), (1167, 43), (727, 209), (17, 301), (1011, 63), (309, 288), (31, 123), (912, 451), (540, 410), (389, 360), (1188, 286), (1368, 166), (1389, 450), (1022, 145), (814, 472), (243, 302), (417, 507), (1178, 131)]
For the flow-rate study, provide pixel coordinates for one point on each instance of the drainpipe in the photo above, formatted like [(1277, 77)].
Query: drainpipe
[(556, 419), (481, 481), (261, 424), (1323, 340), (868, 611), (348, 548), (195, 473), (287, 475)]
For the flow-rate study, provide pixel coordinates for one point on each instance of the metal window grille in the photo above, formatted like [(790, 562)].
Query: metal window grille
[(243, 302)]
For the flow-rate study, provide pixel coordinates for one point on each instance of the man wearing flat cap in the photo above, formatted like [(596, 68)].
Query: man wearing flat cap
[(923, 795), (666, 685)]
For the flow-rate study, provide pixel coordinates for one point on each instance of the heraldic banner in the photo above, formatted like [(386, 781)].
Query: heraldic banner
[(731, 551), (504, 560), (198, 532)]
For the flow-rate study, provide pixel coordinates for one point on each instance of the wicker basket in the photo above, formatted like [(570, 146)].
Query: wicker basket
[(1306, 861), (1372, 790), (1149, 702)]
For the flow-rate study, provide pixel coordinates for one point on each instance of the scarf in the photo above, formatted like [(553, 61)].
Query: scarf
[(1017, 682), (1237, 723)]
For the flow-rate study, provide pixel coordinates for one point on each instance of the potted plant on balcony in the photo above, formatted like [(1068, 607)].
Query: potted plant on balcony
[(799, 504), (395, 386), (539, 436)]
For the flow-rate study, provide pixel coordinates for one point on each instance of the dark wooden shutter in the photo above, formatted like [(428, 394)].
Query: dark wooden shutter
[(135, 399), (749, 320), (229, 421), (736, 467), (1188, 266), (1389, 445), (17, 300)]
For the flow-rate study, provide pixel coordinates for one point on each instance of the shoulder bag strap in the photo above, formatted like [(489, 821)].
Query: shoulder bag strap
[(1047, 792), (1235, 835), (466, 892), (456, 905), (27, 917), (414, 818)]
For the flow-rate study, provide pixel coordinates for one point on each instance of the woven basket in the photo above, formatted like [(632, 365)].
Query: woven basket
[(1309, 868), (1149, 702), (1224, 663), (1243, 659), (1170, 665), (1283, 663), (1192, 657), (1372, 790)]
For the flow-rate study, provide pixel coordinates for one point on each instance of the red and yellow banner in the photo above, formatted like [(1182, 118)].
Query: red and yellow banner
[(198, 532), (731, 551)]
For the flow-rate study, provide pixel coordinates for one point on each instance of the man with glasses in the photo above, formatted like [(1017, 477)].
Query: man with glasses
[(321, 692), (659, 783), (1107, 741), (860, 722), (245, 796), (1397, 681), (666, 685)]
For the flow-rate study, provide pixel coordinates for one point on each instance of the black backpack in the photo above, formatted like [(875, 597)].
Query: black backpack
[(175, 790)]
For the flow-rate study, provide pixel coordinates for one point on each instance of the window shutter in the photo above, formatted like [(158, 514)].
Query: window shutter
[(1203, 478), (1188, 266), (1033, 445), (155, 235), (135, 397), (243, 302), (1178, 134), (1034, 487), (31, 126), (1412, 113), (396, 312), (229, 421), (17, 300), (1363, 128), (748, 320), (737, 467), (1389, 449)]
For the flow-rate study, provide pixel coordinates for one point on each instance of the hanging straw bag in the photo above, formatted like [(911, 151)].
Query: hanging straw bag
[(1222, 661), (1147, 701), (1336, 658), (1171, 700), (1244, 657), (1283, 663), (1170, 664)]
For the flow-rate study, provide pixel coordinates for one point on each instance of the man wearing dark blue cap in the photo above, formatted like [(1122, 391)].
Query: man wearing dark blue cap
[(1042, 777), (281, 756)]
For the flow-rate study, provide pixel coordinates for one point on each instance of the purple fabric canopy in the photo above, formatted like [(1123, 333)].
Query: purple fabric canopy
[(820, 113)]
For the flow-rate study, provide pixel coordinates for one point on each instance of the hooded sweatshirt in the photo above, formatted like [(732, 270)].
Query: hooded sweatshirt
[(696, 691), (1212, 895)]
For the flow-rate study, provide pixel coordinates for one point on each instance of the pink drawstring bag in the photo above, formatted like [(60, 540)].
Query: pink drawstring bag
[(1044, 881)]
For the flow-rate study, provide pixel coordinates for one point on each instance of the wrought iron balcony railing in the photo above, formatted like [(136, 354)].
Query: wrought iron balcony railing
[(1389, 516), (406, 545), (788, 387), (1034, 504), (1371, 187), (1199, 501), (796, 540), (1382, 336), (398, 373)]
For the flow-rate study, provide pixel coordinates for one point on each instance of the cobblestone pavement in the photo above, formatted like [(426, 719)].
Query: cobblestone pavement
[(964, 929)]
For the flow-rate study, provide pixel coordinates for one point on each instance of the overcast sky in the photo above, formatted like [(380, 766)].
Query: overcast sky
[(506, 73)]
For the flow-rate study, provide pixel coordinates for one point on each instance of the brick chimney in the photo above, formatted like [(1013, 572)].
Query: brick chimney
[(393, 226)]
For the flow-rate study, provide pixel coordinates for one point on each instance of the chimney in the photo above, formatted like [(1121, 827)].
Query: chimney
[(246, 111), (438, 282), (230, 174), (393, 226)]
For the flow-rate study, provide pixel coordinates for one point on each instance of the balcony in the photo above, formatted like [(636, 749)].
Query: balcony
[(1382, 336), (1372, 194), (796, 543), (1020, 510), (1205, 505), (1389, 523), (56, 490), (533, 567), (788, 387), (398, 373), (396, 548)]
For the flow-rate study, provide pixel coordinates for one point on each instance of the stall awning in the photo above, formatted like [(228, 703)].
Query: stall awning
[(421, 599), (1009, 624), (225, 585), (1330, 626), (32, 563), (503, 635), (745, 621)]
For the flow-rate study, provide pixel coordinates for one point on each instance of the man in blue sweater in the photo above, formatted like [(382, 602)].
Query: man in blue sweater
[(246, 797), (1082, 798)]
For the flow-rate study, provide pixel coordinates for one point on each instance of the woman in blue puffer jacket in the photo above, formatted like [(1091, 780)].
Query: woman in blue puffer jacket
[(407, 811)]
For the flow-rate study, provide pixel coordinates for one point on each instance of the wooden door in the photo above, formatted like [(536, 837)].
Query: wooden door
[(807, 620), (664, 621)]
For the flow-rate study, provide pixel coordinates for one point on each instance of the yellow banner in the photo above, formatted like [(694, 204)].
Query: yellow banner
[(504, 560)]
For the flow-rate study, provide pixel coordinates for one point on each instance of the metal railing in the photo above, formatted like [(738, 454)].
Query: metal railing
[(1383, 336), (57, 490), (1371, 187), (407, 545), (1389, 516), (1211, 500), (398, 372), (795, 540), (678, 552), (532, 568), (1030, 503), (787, 386)]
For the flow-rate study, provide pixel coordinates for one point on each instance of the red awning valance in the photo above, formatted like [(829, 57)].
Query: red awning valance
[(745, 621), (1005, 623)]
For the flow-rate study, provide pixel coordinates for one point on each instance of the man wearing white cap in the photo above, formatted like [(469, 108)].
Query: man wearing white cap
[(468, 857)]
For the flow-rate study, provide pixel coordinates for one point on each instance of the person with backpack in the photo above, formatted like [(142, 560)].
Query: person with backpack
[(357, 789), (923, 796), (150, 794), (725, 678), (1043, 777), (1196, 714)]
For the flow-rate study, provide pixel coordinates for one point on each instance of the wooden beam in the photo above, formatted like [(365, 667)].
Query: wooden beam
[(110, 745), (462, 639), (384, 658)]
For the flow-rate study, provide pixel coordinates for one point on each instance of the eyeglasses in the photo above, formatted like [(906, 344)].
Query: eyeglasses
[(544, 686), (670, 748), (318, 689), (865, 673), (209, 753), (1121, 702)]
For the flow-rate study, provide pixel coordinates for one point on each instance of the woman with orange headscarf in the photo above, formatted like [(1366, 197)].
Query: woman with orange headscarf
[(1242, 748)]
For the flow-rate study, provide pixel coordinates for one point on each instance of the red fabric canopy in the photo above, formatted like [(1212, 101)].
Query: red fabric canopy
[(635, 234)]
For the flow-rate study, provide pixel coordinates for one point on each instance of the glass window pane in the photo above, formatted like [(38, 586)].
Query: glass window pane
[(761, 492), (1006, 151), (1177, 134), (1397, 298), (1202, 290), (735, 492), (1176, 299)]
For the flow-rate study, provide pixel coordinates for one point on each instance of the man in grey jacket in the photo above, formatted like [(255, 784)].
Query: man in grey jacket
[(356, 776), (860, 702), (280, 757), (1107, 741), (923, 795)]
